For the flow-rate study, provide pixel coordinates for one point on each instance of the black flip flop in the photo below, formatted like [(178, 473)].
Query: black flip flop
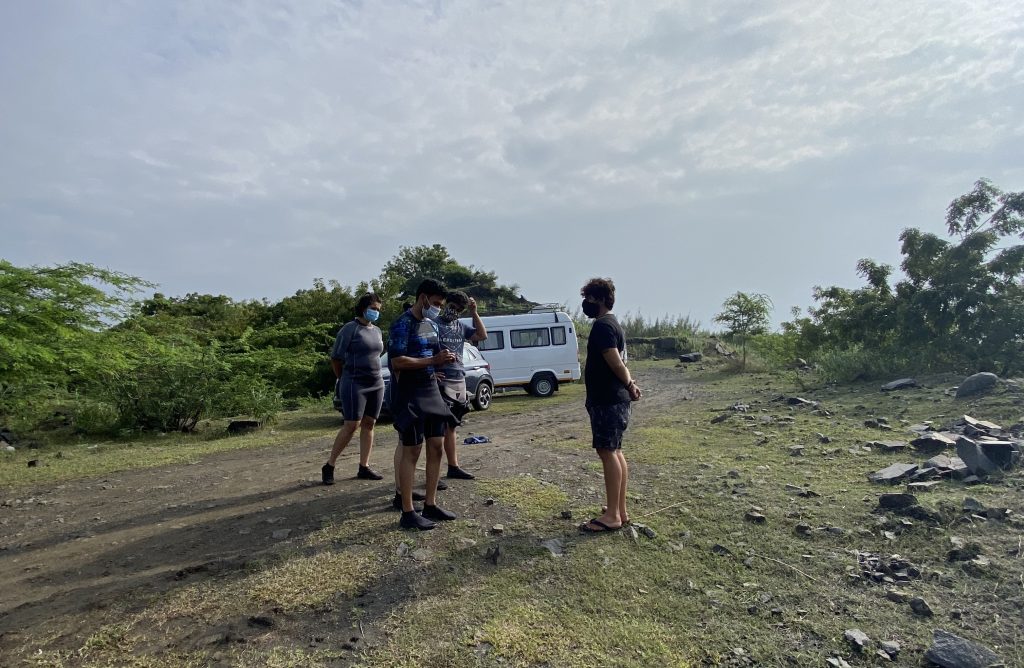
[(585, 527)]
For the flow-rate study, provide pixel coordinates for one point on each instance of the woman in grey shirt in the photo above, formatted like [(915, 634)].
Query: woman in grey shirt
[(356, 362)]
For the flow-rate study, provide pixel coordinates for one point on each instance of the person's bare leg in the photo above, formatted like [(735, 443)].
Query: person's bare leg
[(435, 449), (398, 468), (450, 452), (612, 487), (342, 439), (366, 440), (624, 467), (410, 455)]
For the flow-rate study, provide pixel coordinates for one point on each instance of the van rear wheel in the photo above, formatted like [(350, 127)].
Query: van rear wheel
[(543, 385)]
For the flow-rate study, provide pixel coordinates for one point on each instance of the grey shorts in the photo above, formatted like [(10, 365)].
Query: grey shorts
[(358, 401), (608, 424)]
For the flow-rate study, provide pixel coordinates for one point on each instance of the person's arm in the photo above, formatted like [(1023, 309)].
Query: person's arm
[(618, 367), (481, 332), (341, 344)]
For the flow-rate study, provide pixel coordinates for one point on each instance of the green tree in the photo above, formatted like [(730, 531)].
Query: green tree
[(745, 316)]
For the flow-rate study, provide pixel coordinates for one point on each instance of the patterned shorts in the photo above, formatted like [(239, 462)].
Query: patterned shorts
[(608, 424)]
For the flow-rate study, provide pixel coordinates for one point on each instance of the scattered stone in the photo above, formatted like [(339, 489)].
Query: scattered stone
[(796, 450), (566, 514), (896, 501), (555, 546), (892, 473), (963, 551), (800, 401), (646, 531), (281, 534), (857, 639), (489, 502), (32, 463), (422, 554), (9, 448), (721, 550), (923, 486), (889, 446), (808, 494), (933, 443), (1003, 454), (733, 473), (690, 358), (976, 384), (921, 607), (975, 459), (721, 418), (897, 596), (837, 662), (493, 554), (794, 488), (822, 438), (755, 517), (941, 462), (972, 505), (498, 529), (901, 384), (890, 647), (803, 529), (952, 651)]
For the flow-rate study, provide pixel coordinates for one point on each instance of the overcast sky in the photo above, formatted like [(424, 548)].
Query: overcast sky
[(686, 149)]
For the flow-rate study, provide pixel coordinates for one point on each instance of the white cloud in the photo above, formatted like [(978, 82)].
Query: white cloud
[(315, 138)]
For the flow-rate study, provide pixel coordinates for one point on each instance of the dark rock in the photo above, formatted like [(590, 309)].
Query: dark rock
[(890, 647), (690, 358), (721, 418), (1001, 453), (754, 517), (261, 622), (896, 501), (32, 463), (921, 607), (646, 530), (921, 513), (976, 384), (822, 438), (941, 462), (808, 494), (976, 460), (952, 651), (803, 529), (800, 401), (857, 639), (876, 423), (243, 426), (972, 505), (901, 384), (893, 473), (566, 514), (965, 552), (796, 450), (933, 443), (721, 550), (889, 446)]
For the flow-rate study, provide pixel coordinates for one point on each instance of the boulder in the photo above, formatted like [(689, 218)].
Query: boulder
[(952, 651), (896, 501), (976, 384), (243, 426), (689, 358), (975, 459), (933, 443), (1001, 453), (892, 474)]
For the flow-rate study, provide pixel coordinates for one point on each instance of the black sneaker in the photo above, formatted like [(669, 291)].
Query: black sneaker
[(327, 474), (441, 485), (396, 503), (413, 520), (438, 513), (366, 473), (458, 474)]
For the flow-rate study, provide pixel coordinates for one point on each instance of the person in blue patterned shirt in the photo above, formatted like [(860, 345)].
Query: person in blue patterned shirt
[(419, 411)]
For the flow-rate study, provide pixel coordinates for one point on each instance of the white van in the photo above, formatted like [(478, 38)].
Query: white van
[(536, 351)]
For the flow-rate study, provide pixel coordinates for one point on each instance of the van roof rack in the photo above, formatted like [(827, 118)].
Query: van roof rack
[(525, 309), (551, 307)]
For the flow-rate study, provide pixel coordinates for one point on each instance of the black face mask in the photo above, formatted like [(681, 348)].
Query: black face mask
[(590, 309)]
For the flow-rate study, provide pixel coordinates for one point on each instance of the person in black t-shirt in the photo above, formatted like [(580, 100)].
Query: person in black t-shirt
[(610, 390)]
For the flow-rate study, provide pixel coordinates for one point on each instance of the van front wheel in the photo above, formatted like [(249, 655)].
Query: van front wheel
[(543, 385)]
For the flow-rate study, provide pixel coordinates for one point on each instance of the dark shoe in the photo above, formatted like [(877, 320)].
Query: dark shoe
[(396, 503), (441, 485), (458, 474), (438, 513), (416, 496), (413, 520), (366, 473), (327, 473)]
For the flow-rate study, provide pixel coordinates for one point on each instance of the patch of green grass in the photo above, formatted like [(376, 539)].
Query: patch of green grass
[(71, 461), (522, 403), (309, 582), (532, 498)]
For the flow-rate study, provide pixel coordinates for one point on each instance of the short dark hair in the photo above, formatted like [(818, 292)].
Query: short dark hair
[(365, 301), (601, 289), (457, 298), (431, 288), (406, 306)]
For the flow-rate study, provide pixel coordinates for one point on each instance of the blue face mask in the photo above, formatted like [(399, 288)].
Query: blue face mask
[(372, 315), (432, 312)]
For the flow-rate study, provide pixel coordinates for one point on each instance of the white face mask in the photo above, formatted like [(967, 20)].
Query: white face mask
[(432, 312)]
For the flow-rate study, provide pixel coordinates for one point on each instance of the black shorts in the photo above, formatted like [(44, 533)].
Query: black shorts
[(419, 430), (359, 401), (608, 424)]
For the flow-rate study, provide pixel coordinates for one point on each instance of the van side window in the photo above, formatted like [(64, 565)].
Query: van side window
[(530, 338), (494, 341), (558, 336)]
